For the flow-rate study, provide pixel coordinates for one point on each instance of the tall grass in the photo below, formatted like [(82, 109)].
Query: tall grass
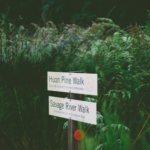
[(119, 57)]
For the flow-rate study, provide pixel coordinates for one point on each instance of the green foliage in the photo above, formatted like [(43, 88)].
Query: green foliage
[(119, 57)]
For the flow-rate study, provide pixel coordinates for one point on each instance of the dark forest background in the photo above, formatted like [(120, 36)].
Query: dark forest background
[(122, 12)]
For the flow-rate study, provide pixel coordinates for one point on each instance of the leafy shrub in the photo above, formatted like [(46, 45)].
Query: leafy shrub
[(119, 57)]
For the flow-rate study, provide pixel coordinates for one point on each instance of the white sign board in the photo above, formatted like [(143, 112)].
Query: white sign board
[(80, 83), (73, 109)]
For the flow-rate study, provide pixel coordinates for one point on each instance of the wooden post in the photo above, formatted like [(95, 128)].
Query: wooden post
[(73, 126)]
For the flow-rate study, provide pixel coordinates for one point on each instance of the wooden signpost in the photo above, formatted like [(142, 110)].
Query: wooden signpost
[(73, 126), (76, 84)]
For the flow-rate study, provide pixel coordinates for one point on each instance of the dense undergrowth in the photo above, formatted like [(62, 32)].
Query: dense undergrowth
[(119, 57)]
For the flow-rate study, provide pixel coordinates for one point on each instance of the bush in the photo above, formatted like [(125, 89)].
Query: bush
[(119, 57)]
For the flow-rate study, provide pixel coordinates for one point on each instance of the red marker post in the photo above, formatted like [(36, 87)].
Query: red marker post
[(79, 135)]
